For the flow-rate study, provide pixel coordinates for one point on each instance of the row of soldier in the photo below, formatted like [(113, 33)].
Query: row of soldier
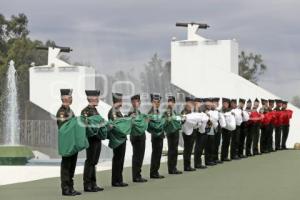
[(238, 127)]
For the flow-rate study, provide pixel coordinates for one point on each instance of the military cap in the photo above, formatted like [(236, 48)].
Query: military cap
[(94, 93), (171, 98), (66, 92), (117, 97), (233, 100), (284, 102), (271, 101), (189, 98), (155, 96), (207, 99), (198, 99), (249, 101), (242, 100), (225, 100), (256, 100), (263, 101), (136, 97), (278, 100), (216, 99)]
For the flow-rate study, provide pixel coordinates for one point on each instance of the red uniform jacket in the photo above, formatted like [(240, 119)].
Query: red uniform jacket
[(272, 117), (277, 121), (286, 115), (267, 118), (255, 117)]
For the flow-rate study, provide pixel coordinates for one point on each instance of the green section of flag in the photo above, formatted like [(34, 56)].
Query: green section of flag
[(72, 137), (139, 125), (156, 124), (96, 125), (172, 124), (118, 134)]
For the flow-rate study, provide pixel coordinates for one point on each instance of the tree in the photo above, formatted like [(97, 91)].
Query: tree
[(16, 45), (157, 78), (296, 101), (251, 66)]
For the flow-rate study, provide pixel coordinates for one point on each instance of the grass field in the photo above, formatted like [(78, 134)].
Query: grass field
[(267, 177)]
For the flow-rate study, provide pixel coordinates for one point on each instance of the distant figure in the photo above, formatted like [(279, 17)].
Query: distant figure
[(285, 119), (278, 124)]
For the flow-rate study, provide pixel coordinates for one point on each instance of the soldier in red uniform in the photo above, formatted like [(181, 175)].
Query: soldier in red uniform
[(255, 117), (277, 124), (271, 125), (264, 126), (286, 115)]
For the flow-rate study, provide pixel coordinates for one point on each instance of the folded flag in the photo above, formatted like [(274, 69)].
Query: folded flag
[(72, 137), (118, 134), (139, 125), (172, 124), (156, 124), (96, 125)]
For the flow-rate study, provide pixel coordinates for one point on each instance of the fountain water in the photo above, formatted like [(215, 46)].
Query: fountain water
[(12, 153), (11, 114)]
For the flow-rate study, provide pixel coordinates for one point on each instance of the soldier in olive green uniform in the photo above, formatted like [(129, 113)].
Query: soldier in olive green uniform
[(68, 163), (173, 139), (119, 152), (93, 152), (157, 140), (138, 142)]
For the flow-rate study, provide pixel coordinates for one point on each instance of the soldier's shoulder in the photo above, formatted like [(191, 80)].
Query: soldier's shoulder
[(85, 110), (60, 111)]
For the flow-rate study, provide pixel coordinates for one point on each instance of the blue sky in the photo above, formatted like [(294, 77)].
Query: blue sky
[(124, 34)]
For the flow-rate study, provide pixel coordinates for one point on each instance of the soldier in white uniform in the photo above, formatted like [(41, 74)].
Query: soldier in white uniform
[(201, 134), (227, 130), (188, 136), (235, 137), (212, 128), (218, 122), (243, 128)]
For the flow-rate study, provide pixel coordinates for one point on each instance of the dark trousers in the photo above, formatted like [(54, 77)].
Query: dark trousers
[(138, 149), (173, 139), (118, 163), (157, 147), (243, 136), (67, 170), (264, 139), (226, 137), (235, 141), (200, 145), (92, 158), (256, 135), (249, 140), (285, 134), (209, 149), (278, 136), (188, 149), (270, 137), (218, 135)]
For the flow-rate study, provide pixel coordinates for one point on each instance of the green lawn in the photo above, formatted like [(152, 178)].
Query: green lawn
[(271, 176)]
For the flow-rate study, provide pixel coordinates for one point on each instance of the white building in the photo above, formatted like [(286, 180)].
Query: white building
[(209, 68)]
